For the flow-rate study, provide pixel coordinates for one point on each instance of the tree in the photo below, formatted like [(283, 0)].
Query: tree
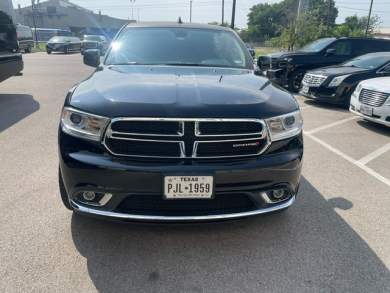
[(266, 21), (355, 26)]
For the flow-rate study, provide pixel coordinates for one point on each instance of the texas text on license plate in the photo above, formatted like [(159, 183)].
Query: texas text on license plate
[(179, 187)]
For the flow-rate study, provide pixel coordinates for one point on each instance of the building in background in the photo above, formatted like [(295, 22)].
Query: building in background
[(62, 14), (6, 6)]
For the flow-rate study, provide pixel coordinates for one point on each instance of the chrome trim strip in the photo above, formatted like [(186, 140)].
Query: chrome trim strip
[(199, 134), (179, 134), (121, 216), (264, 134), (196, 143)]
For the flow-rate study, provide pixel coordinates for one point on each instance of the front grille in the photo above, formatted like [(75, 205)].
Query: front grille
[(373, 98), (157, 205), (313, 80), (186, 138)]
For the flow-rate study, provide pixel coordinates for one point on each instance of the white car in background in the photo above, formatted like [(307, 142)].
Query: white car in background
[(371, 100)]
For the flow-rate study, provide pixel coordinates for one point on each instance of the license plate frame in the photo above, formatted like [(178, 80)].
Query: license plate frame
[(187, 186), (305, 89), (367, 110)]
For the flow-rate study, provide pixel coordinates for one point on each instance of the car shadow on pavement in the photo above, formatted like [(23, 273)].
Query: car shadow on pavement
[(15, 107), (308, 248), (376, 127), (325, 106)]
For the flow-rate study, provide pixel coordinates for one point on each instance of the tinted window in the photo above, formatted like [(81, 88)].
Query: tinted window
[(342, 48), (318, 45), (8, 41), (93, 38), (179, 46)]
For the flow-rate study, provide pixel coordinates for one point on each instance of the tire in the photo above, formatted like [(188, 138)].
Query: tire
[(66, 50), (295, 80), (48, 52), (63, 193), (27, 50)]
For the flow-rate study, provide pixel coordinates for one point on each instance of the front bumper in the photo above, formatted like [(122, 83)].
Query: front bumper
[(97, 171), (278, 76), (334, 95), (379, 115)]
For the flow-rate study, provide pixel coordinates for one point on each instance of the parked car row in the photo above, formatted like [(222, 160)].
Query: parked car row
[(67, 44), (352, 72)]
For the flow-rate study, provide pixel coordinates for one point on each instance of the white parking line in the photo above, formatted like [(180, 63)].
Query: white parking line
[(350, 159), (305, 107), (323, 127), (374, 154)]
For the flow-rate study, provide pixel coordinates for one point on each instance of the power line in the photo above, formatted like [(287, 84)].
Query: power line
[(369, 17)]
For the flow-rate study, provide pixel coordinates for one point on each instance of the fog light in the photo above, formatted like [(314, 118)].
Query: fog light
[(89, 195), (278, 193)]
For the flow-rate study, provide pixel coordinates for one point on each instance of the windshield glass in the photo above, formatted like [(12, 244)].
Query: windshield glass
[(318, 45), (178, 46), (92, 38), (58, 39), (368, 61)]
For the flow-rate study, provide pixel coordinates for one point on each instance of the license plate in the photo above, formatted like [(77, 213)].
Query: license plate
[(179, 187), (305, 89), (365, 110)]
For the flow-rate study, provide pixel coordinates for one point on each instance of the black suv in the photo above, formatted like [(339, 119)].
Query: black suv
[(175, 126), (288, 68), (11, 62)]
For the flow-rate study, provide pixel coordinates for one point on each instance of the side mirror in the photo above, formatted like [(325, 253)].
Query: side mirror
[(330, 52), (253, 54), (92, 57)]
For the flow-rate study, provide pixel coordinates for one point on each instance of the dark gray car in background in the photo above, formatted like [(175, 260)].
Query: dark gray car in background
[(63, 44)]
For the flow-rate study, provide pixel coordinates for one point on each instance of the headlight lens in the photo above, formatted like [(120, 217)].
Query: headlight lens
[(337, 80), (81, 124), (285, 126)]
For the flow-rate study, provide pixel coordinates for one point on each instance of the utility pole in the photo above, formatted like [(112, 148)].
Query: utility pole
[(223, 12), (34, 22), (233, 14), (190, 11), (132, 9), (369, 18), (328, 16)]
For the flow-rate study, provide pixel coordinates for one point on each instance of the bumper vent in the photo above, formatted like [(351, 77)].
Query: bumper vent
[(186, 138), (313, 80), (373, 98)]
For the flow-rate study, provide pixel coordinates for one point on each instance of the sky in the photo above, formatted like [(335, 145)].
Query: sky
[(204, 11)]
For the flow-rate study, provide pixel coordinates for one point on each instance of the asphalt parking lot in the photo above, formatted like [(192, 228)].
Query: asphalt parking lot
[(336, 238)]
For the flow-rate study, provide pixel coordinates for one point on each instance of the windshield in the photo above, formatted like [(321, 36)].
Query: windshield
[(368, 61), (92, 38), (178, 46), (58, 39), (318, 45)]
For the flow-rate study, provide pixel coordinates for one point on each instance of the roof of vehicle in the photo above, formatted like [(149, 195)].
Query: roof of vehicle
[(177, 24), (363, 38)]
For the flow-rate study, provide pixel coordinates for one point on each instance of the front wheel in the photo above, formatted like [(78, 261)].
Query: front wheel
[(63, 193), (295, 80), (66, 50), (48, 51)]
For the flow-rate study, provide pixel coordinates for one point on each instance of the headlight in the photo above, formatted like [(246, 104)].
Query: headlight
[(81, 124), (285, 126), (337, 80)]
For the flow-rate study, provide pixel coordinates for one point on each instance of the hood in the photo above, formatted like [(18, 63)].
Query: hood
[(380, 84), (183, 92), (338, 70)]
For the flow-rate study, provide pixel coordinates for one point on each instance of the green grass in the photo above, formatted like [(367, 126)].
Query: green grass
[(265, 50), (40, 48)]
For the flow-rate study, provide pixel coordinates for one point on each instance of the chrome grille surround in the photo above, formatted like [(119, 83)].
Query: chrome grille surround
[(313, 80), (197, 137), (373, 98)]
